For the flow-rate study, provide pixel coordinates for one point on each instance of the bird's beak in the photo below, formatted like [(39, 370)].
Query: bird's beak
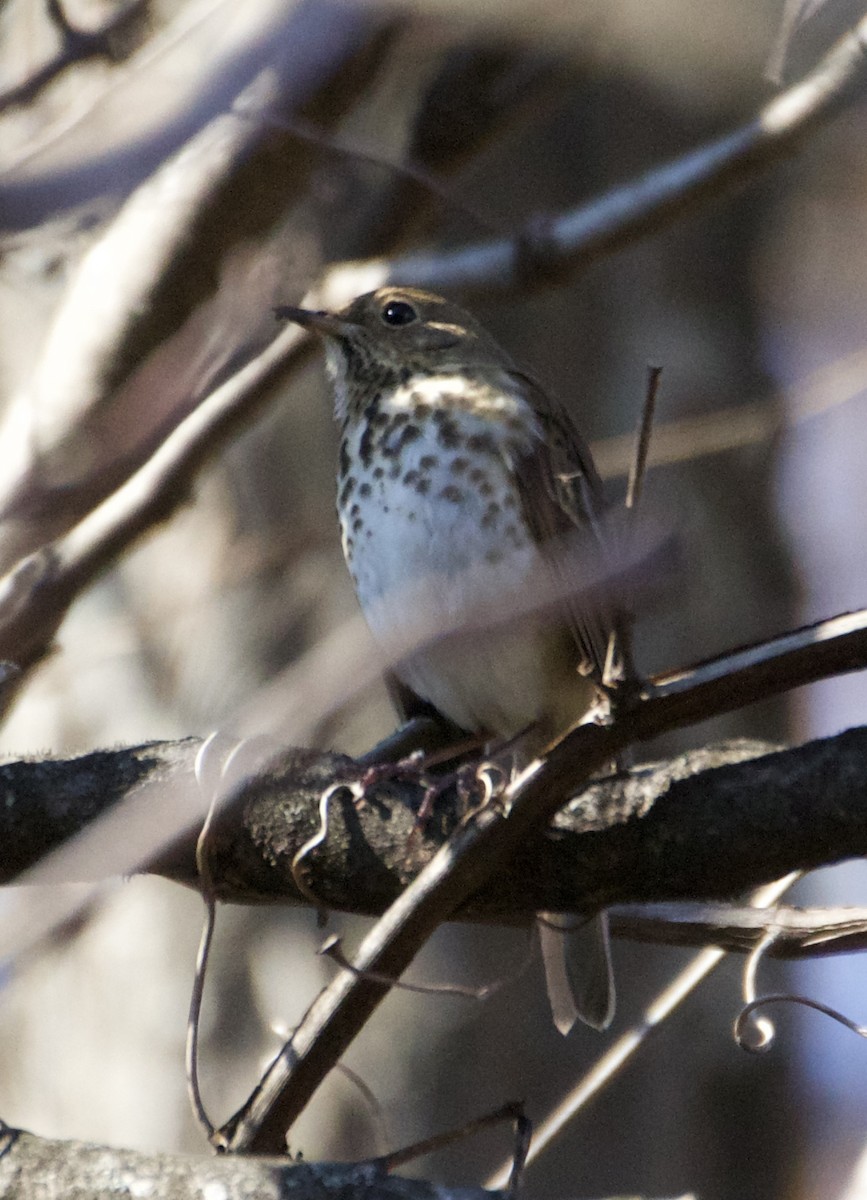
[(320, 322)]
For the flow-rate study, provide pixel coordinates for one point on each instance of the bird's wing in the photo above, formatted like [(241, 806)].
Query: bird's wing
[(561, 492), (410, 706)]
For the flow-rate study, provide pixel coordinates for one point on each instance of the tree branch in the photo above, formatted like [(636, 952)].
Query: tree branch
[(33, 1166), (680, 831), (548, 248), (76, 45), (36, 595), (496, 833), (739, 928), (703, 826)]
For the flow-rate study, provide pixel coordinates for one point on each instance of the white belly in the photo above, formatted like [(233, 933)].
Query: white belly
[(428, 545)]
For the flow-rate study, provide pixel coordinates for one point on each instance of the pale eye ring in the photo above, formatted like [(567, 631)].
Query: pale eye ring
[(398, 312)]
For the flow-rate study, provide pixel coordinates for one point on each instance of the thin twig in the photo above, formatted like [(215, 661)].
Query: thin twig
[(756, 1033), (298, 867), (638, 469), (620, 666), (746, 1015), (752, 1033), (333, 950), (351, 147), (371, 1103), (508, 1112), (207, 892)]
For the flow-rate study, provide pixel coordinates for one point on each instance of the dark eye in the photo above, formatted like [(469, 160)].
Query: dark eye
[(398, 312)]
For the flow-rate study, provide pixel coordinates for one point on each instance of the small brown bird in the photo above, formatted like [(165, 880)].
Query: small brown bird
[(453, 463)]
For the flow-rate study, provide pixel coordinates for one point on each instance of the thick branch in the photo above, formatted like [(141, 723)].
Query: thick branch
[(481, 846), (702, 826), (32, 1166)]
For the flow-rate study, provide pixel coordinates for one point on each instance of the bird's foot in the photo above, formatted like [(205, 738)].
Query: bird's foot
[(475, 784), (409, 769)]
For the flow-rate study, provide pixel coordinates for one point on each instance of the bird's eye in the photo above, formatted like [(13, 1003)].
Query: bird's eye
[(398, 312)]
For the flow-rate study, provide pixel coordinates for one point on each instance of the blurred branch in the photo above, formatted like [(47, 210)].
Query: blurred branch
[(307, 47), (176, 292), (820, 391), (113, 287), (43, 495), (688, 438), (35, 596), (548, 248), (795, 13), (76, 45)]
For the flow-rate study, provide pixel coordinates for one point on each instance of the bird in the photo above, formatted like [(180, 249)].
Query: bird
[(457, 469)]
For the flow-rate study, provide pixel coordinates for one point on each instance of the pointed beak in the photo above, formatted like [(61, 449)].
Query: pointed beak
[(324, 323)]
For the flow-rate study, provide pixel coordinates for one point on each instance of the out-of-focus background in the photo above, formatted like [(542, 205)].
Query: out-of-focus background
[(754, 308)]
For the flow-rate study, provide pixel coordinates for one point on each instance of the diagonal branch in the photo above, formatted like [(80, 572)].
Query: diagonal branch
[(547, 249), (481, 848), (35, 596)]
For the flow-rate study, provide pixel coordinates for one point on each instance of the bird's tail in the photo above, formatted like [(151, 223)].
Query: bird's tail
[(578, 974)]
